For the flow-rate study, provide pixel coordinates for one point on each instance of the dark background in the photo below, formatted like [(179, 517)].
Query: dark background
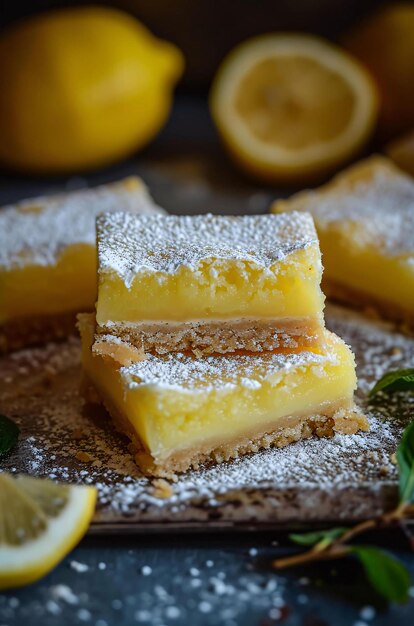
[(186, 167), (205, 30)]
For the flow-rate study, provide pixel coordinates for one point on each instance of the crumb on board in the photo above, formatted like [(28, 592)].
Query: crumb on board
[(78, 433), (162, 488), (85, 457)]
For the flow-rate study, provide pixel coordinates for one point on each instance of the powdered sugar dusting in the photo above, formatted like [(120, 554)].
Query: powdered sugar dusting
[(186, 373), (128, 244), (318, 479), (36, 231), (372, 204)]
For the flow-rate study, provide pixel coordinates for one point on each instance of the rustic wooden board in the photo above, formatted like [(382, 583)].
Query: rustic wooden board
[(316, 481)]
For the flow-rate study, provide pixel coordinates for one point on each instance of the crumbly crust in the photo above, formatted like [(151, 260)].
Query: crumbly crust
[(341, 417), (363, 300), (36, 330), (118, 351), (217, 337)]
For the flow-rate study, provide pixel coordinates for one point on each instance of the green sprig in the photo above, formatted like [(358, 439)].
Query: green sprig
[(399, 380), (387, 575)]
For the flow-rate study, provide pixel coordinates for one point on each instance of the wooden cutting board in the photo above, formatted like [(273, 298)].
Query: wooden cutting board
[(315, 481)]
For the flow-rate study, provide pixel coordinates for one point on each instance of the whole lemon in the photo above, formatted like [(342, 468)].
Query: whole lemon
[(81, 88), (385, 44)]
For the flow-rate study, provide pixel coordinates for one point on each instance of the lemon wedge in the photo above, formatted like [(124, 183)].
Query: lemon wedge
[(291, 108), (40, 522)]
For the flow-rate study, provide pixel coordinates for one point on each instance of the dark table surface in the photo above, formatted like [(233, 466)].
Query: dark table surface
[(194, 580), (199, 581)]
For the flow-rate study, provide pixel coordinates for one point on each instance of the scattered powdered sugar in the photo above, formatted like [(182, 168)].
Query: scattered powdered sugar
[(36, 231), (318, 479), (183, 372), (375, 207), (223, 592), (80, 568), (128, 244), (64, 593)]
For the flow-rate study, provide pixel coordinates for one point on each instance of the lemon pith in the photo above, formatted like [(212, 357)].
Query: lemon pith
[(39, 525), (289, 107), (81, 88)]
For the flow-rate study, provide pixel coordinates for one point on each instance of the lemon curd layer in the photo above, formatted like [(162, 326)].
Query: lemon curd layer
[(48, 249), (203, 270), (180, 410), (365, 222)]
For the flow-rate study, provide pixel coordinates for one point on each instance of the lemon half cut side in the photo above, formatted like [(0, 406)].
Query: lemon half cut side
[(40, 522), (291, 108)]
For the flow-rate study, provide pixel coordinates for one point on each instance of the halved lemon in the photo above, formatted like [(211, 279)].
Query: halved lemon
[(40, 522), (291, 108)]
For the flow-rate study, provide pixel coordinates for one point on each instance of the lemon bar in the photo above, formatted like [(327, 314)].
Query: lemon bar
[(365, 222), (209, 283), (48, 258), (180, 410)]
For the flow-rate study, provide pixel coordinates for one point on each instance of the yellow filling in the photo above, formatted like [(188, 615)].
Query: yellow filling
[(171, 420), (354, 256), (386, 278), (69, 285), (217, 289)]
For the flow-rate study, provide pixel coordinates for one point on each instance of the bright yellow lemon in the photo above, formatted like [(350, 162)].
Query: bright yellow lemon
[(290, 108), (40, 522), (81, 88)]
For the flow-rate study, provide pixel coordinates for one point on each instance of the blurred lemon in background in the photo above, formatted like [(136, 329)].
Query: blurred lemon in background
[(291, 108), (385, 44), (401, 151), (81, 88)]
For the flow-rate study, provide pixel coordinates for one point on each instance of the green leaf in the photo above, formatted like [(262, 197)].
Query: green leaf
[(405, 460), (312, 538), (399, 380), (9, 433), (387, 575)]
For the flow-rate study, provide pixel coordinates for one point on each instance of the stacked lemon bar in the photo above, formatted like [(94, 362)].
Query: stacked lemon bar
[(48, 259), (209, 339)]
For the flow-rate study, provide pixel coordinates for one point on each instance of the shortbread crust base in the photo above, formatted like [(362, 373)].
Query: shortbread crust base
[(363, 300), (342, 417), (36, 330), (218, 337)]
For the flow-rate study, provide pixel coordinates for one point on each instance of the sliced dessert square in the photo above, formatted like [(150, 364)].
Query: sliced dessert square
[(180, 410), (48, 258), (365, 222), (209, 283)]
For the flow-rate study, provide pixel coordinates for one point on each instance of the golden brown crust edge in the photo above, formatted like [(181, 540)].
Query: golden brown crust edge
[(208, 338)]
